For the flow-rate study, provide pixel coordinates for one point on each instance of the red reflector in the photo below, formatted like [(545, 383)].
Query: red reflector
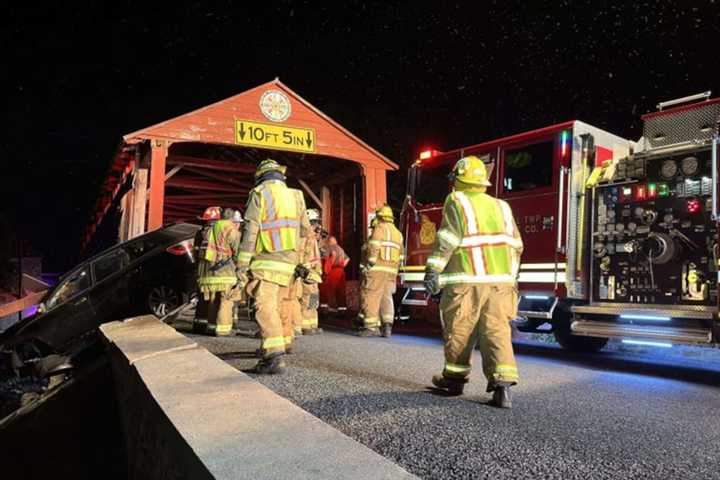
[(693, 206), (182, 248)]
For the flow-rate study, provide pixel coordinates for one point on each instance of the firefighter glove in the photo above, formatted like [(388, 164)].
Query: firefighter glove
[(432, 282), (301, 271)]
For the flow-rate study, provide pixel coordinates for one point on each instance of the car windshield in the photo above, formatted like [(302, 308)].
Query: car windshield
[(432, 184), (75, 283)]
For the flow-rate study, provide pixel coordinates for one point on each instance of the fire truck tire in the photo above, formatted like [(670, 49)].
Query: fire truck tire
[(577, 343)]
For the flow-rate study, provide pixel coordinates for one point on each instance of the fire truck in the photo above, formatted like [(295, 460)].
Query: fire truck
[(620, 236)]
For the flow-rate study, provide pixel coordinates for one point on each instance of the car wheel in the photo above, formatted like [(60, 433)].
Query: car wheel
[(162, 300)]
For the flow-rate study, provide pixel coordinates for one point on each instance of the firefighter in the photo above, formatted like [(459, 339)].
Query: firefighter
[(218, 284), (239, 298), (358, 324), (209, 217), (275, 223), (384, 252), (474, 262), (310, 300), (334, 263)]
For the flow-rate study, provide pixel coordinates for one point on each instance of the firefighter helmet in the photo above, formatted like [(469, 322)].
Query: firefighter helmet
[(385, 212), (237, 217), (269, 165), (471, 170), (211, 213), (313, 215)]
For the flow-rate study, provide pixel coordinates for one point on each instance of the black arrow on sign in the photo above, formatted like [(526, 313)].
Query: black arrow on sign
[(309, 140), (242, 131)]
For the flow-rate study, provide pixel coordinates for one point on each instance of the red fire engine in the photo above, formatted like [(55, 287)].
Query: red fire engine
[(620, 236)]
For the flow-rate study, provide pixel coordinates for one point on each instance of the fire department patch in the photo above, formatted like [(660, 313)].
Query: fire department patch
[(428, 231)]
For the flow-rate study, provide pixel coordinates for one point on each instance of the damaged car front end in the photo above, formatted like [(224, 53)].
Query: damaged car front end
[(153, 273)]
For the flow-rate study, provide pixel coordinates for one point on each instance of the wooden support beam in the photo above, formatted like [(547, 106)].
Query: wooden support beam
[(204, 196), (309, 191), (158, 157), (172, 172), (184, 209), (199, 184), (136, 224), (210, 164), (223, 178)]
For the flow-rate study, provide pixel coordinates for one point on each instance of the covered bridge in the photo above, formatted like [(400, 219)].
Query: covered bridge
[(171, 171)]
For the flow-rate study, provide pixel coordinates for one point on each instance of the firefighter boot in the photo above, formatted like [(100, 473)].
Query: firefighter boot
[(501, 396), (452, 386), (368, 332), (312, 331), (271, 365), (386, 330)]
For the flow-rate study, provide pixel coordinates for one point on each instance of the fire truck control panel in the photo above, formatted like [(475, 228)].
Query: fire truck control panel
[(653, 239)]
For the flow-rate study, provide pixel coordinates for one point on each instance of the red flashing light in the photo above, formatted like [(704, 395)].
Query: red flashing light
[(640, 193), (425, 154), (692, 206)]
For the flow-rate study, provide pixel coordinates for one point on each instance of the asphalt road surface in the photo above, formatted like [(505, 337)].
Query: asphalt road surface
[(574, 417)]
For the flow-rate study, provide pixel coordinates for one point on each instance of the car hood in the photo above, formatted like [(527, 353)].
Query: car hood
[(17, 327)]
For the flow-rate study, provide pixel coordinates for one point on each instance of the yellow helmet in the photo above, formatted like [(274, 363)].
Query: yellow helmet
[(269, 165), (471, 170), (385, 212)]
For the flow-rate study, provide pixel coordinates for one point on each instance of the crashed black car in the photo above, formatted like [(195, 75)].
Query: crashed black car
[(152, 273)]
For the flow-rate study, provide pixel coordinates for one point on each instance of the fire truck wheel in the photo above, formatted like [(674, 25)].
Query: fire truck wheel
[(577, 343)]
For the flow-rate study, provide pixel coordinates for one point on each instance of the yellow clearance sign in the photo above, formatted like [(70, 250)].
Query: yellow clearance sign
[(276, 137)]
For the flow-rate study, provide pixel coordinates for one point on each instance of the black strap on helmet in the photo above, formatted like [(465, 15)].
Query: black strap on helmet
[(272, 175)]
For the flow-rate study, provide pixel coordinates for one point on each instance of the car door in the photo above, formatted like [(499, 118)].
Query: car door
[(532, 179), (110, 296)]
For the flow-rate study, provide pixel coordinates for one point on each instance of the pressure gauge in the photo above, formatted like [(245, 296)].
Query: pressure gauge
[(632, 226), (668, 218), (669, 169), (619, 227), (689, 166)]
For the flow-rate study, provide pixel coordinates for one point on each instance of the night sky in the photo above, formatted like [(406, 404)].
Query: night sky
[(400, 75)]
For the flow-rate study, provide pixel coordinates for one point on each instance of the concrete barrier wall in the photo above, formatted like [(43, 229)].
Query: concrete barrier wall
[(188, 414)]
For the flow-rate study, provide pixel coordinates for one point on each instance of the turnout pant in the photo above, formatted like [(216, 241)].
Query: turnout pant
[(377, 299), (266, 296), (220, 312), (310, 301), (479, 314), (290, 314)]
